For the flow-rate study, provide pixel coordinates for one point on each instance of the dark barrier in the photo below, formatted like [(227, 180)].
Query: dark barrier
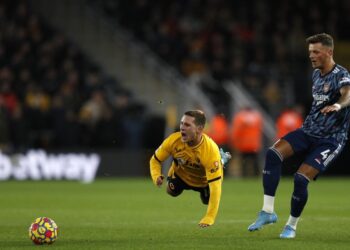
[(86, 165), (124, 163)]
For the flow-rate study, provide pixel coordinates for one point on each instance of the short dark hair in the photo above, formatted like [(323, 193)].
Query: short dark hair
[(323, 38), (199, 117)]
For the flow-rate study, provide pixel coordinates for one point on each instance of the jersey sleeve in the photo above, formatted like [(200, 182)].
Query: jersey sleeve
[(213, 165), (344, 80), (214, 172), (214, 202), (160, 155)]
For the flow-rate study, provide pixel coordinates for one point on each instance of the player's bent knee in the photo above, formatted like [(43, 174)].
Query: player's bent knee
[(273, 156), (300, 180), (172, 192)]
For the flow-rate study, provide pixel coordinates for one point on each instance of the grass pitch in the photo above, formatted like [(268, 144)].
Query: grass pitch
[(134, 214)]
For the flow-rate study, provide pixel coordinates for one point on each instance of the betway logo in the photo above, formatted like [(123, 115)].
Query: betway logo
[(38, 165)]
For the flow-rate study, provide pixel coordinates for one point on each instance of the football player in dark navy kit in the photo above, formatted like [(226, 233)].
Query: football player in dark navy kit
[(320, 139)]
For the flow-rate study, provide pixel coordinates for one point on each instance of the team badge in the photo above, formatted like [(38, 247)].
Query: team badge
[(326, 87), (216, 167)]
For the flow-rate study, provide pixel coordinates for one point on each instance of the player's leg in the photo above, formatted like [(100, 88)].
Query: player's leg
[(299, 198), (205, 195), (271, 176), (175, 185), (294, 142), (225, 157), (317, 161)]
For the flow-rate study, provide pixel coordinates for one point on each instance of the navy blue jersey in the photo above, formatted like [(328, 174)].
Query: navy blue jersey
[(326, 91)]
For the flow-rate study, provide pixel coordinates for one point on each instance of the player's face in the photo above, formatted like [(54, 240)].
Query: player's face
[(319, 55), (190, 132)]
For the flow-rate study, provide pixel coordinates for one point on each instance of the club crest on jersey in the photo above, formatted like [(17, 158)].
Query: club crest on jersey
[(216, 167), (326, 87)]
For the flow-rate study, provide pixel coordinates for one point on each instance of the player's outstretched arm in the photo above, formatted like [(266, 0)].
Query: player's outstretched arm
[(343, 101), (156, 171), (213, 205)]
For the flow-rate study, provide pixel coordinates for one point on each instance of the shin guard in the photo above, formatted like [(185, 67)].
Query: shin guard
[(272, 171), (300, 195)]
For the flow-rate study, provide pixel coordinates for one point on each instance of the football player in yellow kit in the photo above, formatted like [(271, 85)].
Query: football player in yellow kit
[(196, 163)]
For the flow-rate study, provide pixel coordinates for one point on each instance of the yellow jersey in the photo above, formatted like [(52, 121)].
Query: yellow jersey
[(196, 165)]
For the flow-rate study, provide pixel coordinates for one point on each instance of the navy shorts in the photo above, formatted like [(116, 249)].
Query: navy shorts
[(318, 153)]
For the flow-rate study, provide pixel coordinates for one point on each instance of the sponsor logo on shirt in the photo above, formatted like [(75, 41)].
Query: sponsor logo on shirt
[(320, 98), (187, 164)]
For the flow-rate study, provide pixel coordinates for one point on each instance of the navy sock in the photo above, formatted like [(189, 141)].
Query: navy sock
[(272, 172), (300, 195)]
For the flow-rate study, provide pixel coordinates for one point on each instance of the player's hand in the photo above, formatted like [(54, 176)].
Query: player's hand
[(206, 222), (335, 107), (203, 225), (160, 180)]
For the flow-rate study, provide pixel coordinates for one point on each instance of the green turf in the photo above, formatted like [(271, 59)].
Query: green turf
[(134, 214)]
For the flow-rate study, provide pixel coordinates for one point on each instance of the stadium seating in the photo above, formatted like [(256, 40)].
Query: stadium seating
[(52, 95), (257, 43)]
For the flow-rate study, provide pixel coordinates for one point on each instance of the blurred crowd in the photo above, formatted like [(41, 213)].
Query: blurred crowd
[(256, 42), (53, 96), (243, 136)]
